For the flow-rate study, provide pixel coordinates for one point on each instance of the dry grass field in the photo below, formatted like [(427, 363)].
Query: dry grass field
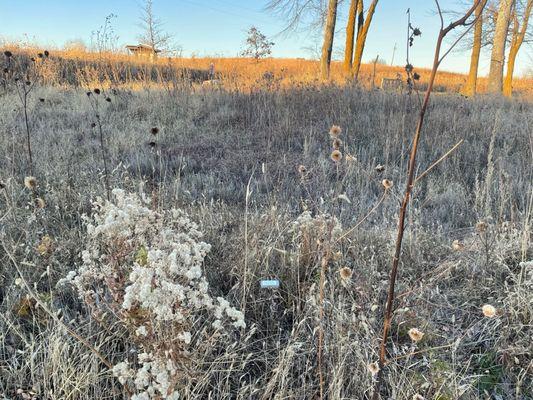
[(250, 162)]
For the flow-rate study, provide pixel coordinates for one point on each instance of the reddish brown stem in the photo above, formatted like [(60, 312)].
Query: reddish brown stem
[(387, 318)]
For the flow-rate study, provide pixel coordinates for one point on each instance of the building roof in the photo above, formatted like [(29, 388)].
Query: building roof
[(134, 47)]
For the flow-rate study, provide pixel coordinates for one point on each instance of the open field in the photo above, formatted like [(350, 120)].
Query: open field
[(241, 74), (231, 159)]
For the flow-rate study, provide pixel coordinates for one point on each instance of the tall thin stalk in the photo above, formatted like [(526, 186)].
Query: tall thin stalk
[(387, 318)]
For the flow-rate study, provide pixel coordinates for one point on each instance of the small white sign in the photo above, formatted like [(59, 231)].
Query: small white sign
[(269, 283)]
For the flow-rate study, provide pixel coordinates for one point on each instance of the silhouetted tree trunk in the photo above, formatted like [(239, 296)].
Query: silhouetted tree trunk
[(471, 83), (516, 42), (362, 31), (495, 83), (329, 33), (350, 36)]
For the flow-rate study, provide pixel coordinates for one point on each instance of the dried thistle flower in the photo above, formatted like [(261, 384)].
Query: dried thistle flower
[(97, 91), (2, 185), (40, 55), (108, 99), (335, 131), (40, 203), (345, 273), (46, 53), (373, 368), (415, 334), (387, 184), (481, 226), (30, 182), (8, 54), (337, 143), (336, 155), (457, 245), (41, 99), (416, 76), (489, 311), (154, 131), (152, 144)]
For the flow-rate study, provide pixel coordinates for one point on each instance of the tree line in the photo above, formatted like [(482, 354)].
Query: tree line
[(496, 24)]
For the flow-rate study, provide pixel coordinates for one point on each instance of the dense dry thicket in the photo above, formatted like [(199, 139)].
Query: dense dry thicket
[(232, 161)]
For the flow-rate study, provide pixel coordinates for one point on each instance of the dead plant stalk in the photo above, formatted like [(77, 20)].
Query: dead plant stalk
[(410, 183)]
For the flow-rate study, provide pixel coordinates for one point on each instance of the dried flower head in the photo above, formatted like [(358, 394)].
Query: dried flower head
[(418, 397), (30, 182), (41, 99), (416, 76), (46, 53), (8, 54), (108, 99), (152, 144), (337, 143), (154, 131), (40, 203), (380, 168), (415, 334), (373, 368), (40, 55), (302, 170), (45, 246), (489, 311), (97, 91), (481, 226), (345, 273), (457, 245), (387, 184), (336, 155), (2, 185), (349, 158), (335, 131)]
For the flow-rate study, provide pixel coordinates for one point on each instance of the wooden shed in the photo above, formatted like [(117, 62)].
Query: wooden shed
[(143, 50)]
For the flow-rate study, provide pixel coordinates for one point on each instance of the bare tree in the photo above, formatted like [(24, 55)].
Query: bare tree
[(350, 36), (152, 29), (518, 34), (329, 33), (471, 83), (495, 84), (363, 26)]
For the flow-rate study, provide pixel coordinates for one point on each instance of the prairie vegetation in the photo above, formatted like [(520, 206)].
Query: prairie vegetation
[(79, 67), (257, 171)]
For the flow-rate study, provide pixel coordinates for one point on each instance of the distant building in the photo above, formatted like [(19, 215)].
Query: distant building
[(143, 50)]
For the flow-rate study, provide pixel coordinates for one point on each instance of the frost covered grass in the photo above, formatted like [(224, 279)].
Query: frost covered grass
[(233, 188)]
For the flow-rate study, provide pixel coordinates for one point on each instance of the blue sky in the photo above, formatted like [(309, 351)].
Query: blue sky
[(217, 27)]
